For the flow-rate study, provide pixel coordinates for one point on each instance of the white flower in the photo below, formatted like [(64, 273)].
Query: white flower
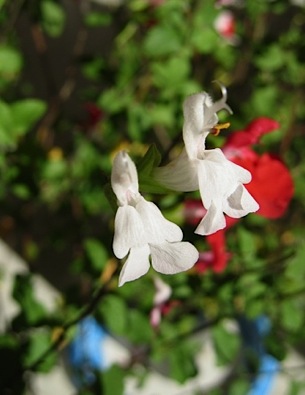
[(219, 180), (140, 230), (162, 295)]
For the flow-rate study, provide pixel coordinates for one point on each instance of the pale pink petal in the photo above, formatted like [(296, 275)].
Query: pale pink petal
[(128, 231), (171, 258), (157, 228), (155, 316), (136, 266)]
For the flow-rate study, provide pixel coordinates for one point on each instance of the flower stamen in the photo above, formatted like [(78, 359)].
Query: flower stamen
[(218, 128)]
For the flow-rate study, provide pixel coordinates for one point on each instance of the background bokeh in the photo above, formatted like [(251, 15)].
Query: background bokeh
[(80, 80)]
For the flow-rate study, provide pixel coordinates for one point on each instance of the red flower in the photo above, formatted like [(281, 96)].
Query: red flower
[(271, 187), (217, 258), (225, 25)]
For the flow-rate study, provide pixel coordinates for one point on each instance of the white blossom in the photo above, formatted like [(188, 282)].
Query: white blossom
[(219, 180), (162, 295), (141, 231)]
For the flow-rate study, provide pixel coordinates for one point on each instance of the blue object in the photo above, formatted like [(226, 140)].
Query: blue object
[(253, 333), (268, 369), (85, 351)]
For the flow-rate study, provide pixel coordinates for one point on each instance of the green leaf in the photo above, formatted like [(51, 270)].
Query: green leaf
[(138, 5), (161, 41), (296, 388), (291, 318), (295, 267), (53, 17), (205, 40), (145, 167), (113, 381), (114, 100), (140, 330), (149, 185), (92, 69), (115, 314), (172, 73), (26, 113), (149, 161), (264, 101), (181, 359), (246, 242), (32, 312), (6, 125), (97, 253), (239, 387), (17, 118), (272, 59), (95, 19), (39, 341), (162, 115), (138, 120), (10, 61), (226, 344), (255, 307), (278, 349), (21, 191)]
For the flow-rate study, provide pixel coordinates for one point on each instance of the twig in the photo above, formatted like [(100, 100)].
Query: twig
[(88, 309)]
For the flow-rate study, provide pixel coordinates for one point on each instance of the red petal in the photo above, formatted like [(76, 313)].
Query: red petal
[(217, 258), (271, 185), (253, 132)]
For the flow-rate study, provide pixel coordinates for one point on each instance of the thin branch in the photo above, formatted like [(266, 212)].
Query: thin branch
[(88, 309)]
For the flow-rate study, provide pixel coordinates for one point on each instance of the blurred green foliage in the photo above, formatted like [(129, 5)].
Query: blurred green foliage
[(56, 146)]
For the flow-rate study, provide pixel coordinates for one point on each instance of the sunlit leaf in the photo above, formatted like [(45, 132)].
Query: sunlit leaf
[(53, 16), (97, 253)]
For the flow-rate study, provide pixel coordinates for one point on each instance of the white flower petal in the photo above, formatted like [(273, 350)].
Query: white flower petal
[(242, 175), (179, 175), (196, 122), (128, 231), (240, 203), (213, 221), (163, 291), (171, 258), (214, 182), (124, 177), (218, 177), (136, 266), (200, 116), (157, 228)]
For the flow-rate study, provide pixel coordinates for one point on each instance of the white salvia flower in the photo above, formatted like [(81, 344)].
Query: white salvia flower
[(219, 180), (140, 230), (162, 295)]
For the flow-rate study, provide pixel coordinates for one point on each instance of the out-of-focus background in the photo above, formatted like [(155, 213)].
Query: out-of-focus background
[(80, 80)]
